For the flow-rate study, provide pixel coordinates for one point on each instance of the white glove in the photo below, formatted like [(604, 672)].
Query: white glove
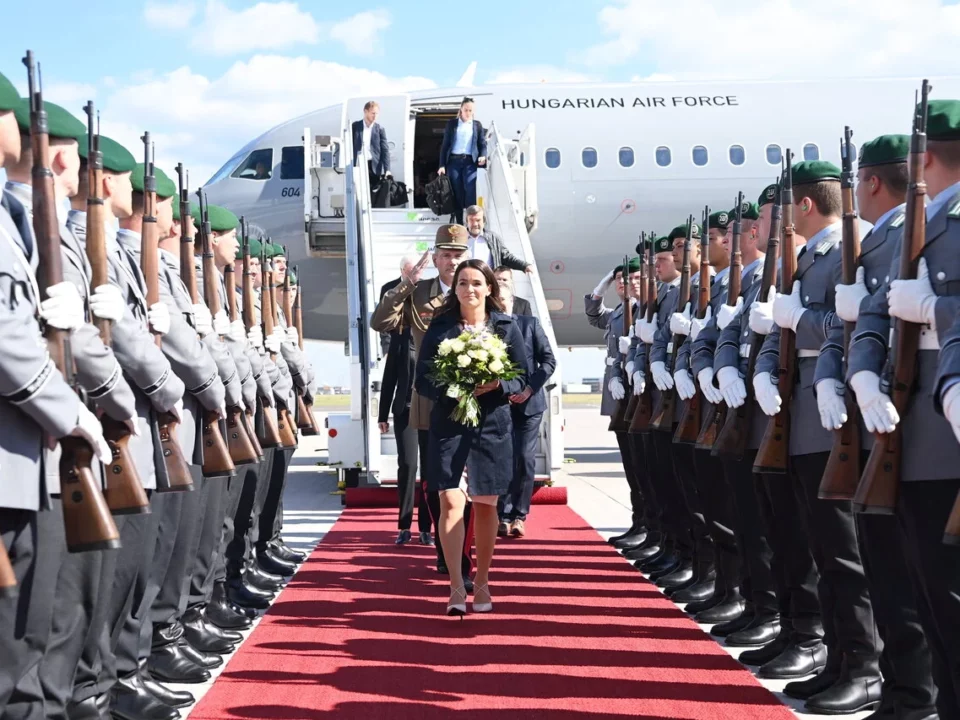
[(272, 343), (63, 308), (647, 330), (615, 386), (767, 394), (833, 410), (203, 319), (629, 368), (685, 387), (177, 410), (624, 344), (222, 410), (732, 388), (787, 309), (610, 361), (698, 324), (107, 303), (159, 318), (294, 338), (639, 383), (705, 378), (727, 313), (238, 333), (914, 300), (89, 428), (662, 379), (876, 408), (601, 289), (849, 297), (951, 408), (133, 426), (221, 323), (680, 322), (255, 336), (761, 314)]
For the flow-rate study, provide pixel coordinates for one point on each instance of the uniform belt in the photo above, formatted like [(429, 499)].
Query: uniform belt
[(808, 353), (929, 340)]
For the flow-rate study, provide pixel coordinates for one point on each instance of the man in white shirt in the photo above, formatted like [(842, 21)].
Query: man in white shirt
[(370, 139), (486, 245)]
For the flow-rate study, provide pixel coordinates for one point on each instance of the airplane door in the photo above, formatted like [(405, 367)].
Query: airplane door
[(395, 119), (525, 175)]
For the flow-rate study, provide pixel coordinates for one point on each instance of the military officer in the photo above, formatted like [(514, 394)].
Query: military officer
[(930, 452)]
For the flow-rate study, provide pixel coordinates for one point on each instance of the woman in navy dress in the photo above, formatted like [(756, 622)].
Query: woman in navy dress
[(464, 461)]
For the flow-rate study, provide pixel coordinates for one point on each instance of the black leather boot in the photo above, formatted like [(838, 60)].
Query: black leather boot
[(130, 700), (770, 651), (169, 664), (738, 623), (797, 660), (247, 596), (168, 696), (280, 548), (681, 577), (270, 563), (221, 612), (847, 695), (730, 607), (208, 661), (633, 539), (206, 637), (761, 630), (262, 580), (94, 708)]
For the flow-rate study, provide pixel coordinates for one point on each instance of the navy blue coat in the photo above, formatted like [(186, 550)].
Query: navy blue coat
[(479, 148), (487, 450), (541, 363), (379, 150)]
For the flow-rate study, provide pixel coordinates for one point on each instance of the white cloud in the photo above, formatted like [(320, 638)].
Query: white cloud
[(264, 26), (170, 16), (779, 38), (538, 74), (360, 34)]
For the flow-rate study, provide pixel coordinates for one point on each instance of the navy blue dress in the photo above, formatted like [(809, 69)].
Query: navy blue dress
[(486, 451)]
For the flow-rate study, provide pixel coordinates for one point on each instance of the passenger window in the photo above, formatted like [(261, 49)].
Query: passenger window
[(774, 155), (588, 156), (257, 166), (811, 152), (738, 155), (552, 158), (626, 157), (663, 156), (291, 163), (700, 156)]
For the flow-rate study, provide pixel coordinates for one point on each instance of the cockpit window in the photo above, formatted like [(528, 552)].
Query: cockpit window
[(257, 166), (228, 167), (291, 163)]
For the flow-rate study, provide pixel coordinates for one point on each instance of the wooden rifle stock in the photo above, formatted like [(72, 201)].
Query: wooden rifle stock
[(307, 421), (268, 312), (87, 520), (842, 472), (643, 415), (880, 484), (775, 447), (8, 579), (688, 429), (241, 448), (634, 400), (732, 440), (619, 421), (270, 437)]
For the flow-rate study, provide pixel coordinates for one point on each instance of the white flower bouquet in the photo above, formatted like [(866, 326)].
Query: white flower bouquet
[(473, 358)]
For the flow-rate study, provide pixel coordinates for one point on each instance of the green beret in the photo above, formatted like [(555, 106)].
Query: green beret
[(194, 209), (221, 219), (116, 158), (768, 196), (665, 244), (633, 265), (720, 220), (60, 123), (807, 172), (680, 231), (165, 186), (274, 250), (943, 120), (9, 97), (748, 211), (255, 248), (885, 150)]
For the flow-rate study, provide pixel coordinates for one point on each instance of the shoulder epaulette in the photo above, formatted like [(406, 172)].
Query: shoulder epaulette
[(898, 220), (954, 210)]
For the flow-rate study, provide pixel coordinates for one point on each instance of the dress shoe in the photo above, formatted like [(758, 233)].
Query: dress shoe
[(700, 605), (281, 550), (208, 661), (517, 528), (796, 661), (205, 637), (803, 689), (270, 563), (888, 711), (665, 569), (642, 552), (263, 580), (697, 592), (736, 624), (679, 577), (468, 584), (168, 663), (629, 542), (442, 567), (770, 651), (728, 609), (665, 559), (221, 613), (427, 539), (503, 529), (247, 596), (759, 632), (671, 591), (130, 700), (94, 708), (848, 695), (168, 696), (403, 537)]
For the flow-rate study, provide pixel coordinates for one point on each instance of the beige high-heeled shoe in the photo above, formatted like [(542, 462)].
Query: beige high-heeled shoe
[(457, 608), (482, 607)]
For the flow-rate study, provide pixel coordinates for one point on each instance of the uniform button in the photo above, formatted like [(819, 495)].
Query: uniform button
[(941, 276), (806, 298), (887, 279), (873, 281)]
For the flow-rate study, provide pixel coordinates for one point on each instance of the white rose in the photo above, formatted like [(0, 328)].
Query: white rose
[(445, 347), (463, 361), (482, 355), (496, 366), (454, 391), (458, 346)]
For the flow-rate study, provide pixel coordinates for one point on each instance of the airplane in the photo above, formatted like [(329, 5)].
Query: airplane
[(611, 160)]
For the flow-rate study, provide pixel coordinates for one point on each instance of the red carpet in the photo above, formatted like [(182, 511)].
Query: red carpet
[(576, 634), (386, 496)]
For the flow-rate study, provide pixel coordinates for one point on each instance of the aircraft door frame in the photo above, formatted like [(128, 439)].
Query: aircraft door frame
[(396, 120), (525, 175)]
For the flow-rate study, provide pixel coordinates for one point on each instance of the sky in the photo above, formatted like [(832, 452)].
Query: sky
[(207, 76)]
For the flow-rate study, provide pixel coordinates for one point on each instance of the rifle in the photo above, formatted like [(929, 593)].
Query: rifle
[(644, 412), (688, 430), (306, 422), (717, 414), (268, 312), (87, 520), (634, 400), (775, 446), (8, 578), (663, 413), (314, 427), (842, 473), (124, 488), (880, 483), (732, 440), (242, 449), (619, 421)]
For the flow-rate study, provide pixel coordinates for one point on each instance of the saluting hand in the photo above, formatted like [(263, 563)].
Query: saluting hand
[(417, 270)]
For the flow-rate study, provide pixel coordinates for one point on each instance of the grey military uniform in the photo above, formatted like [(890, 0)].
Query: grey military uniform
[(662, 349), (686, 358), (819, 273), (640, 352), (611, 322)]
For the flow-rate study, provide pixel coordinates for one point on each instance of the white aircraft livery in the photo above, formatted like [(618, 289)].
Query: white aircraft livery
[(600, 163)]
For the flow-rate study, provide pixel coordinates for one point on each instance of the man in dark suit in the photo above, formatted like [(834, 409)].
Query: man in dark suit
[(464, 149), (527, 408), (486, 245), (504, 276), (370, 139)]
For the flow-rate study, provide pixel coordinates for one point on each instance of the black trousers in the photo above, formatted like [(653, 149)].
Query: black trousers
[(433, 502), (686, 473), (922, 511), (631, 470), (526, 435), (233, 492), (254, 480), (651, 516), (271, 516), (34, 543), (849, 628), (675, 518), (211, 526), (407, 454)]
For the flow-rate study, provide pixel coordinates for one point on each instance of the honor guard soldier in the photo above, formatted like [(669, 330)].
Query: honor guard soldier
[(850, 680), (930, 452)]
